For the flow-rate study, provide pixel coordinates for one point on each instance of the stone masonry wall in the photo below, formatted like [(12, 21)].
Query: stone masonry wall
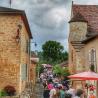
[(72, 59), (78, 31), (25, 57), (33, 72), (11, 53)]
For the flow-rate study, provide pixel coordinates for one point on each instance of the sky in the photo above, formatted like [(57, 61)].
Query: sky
[(48, 19)]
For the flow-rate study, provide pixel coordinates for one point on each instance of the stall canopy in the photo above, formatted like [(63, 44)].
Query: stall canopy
[(85, 76)]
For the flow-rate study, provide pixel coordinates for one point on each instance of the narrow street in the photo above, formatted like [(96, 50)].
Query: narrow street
[(38, 91)]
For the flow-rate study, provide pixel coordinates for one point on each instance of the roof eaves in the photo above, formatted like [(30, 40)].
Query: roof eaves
[(89, 39), (78, 18)]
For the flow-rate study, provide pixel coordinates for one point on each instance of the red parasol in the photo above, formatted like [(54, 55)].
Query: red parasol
[(85, 76)]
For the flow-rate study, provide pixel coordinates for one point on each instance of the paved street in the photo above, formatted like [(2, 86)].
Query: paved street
[(38, 91)]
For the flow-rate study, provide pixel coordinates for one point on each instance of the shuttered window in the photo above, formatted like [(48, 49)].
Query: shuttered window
[(24, 72), (28, 47)]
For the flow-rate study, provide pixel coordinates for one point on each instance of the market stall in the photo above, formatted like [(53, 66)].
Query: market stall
[(87, 76)]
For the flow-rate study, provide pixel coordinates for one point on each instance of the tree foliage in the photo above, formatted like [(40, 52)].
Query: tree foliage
[(57, 69), (53, 52), (39, 68)]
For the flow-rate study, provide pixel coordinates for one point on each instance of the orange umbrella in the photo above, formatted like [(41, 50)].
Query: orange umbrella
[(85, 76)]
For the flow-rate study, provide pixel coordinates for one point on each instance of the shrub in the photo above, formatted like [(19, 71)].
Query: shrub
[(10, 90), (2, 93)]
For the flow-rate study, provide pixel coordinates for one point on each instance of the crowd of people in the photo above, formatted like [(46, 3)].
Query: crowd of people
[(58, 87)]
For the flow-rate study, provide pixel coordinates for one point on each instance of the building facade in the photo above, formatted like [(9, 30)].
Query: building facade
[(83, 38), (15, 38), (33, 67)]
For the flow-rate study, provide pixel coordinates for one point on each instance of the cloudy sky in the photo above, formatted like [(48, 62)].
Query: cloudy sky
[(48, 19)]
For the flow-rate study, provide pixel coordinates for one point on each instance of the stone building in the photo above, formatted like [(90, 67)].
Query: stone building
[(33, 66), (15, 38), (83, 38)]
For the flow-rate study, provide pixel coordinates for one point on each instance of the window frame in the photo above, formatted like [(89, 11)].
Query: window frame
[(92, 59)]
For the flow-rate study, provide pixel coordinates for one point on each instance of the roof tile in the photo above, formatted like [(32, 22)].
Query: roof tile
[(90, 13), (78, 18)]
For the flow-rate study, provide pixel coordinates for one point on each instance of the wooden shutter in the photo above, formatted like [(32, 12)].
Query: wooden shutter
[(24, 72), (29, 47)]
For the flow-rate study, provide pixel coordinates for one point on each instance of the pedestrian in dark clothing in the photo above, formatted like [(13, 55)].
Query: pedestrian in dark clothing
[(46, 93), (45, 84), (79, 93), (68, 95)]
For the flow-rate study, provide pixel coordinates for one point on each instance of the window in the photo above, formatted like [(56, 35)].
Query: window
[(24, 72), (72, 55), (28, 47), (92, 60)]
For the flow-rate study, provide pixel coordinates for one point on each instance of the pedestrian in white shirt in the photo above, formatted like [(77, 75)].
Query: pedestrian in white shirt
[(71, 91), (53, 93)]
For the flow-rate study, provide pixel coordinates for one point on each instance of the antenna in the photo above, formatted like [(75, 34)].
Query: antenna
[(72, 3), (71, 9), (10, 2)]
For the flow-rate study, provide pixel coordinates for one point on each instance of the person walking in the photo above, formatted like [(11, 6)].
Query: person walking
[(71, 91), (53, 93), (46, 92), (62, 92), (68, 95), (79, 94)]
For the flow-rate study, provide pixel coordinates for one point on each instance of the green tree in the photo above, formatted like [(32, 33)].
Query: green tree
[(58, 70), (39, 68), (53, 52)]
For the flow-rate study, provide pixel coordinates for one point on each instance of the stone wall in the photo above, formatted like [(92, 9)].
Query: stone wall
[(72, 59), (12, 53), (9, 51), (78, 31), (33, 72), (24, 56)]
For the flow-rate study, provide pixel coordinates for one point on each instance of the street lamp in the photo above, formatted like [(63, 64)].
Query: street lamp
[(35, 44), (35, 59)]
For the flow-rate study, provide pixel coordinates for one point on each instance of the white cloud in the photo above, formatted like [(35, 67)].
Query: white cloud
[(47, 18)]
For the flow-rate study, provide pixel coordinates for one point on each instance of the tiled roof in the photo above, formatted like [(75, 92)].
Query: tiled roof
[(89, 38), (33, 54), (90, 14), (78, 18)]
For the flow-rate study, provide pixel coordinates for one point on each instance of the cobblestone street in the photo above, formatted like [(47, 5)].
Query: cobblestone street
[(38, 91)]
